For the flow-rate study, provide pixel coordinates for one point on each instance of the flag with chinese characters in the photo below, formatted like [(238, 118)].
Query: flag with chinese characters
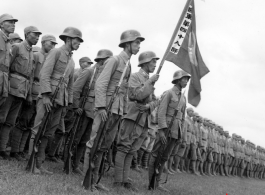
[(184, 52)]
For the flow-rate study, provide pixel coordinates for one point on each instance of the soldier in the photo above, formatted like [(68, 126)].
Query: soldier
[(210, 147), (84, 63), (231, 155), (226, 153), (59, 63), (190, 138), (15, 38), (195, 120), (171, 100), (109, 78), (48, 42), (81, 86), (20, 78), (134, 127), (202, 143), (7, 26)]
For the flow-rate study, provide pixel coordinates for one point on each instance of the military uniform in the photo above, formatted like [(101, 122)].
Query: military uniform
[(81, 86), (21, 71), (28, 112), (170, 101), (58, 63)]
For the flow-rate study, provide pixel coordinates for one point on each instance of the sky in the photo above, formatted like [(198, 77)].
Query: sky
[(230, 35)]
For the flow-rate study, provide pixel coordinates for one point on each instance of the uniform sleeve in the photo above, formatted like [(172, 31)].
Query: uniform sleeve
[(14, 53), (102, 84), (79, 85), (137, 90), (46, 71), (162, 110), (70, 85)]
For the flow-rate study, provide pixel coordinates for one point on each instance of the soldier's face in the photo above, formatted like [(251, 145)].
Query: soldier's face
[(135, 46), (8, 26), (183, 82), (190, 113), (76, 43), (152, 65), (33, 38), (48, 46)]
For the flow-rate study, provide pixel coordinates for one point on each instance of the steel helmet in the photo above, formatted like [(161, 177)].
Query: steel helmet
[(14, 36), (190, 109), (85, 59), (179, 74), (102, 54), (129, 36), (146, 56), (71, 32)]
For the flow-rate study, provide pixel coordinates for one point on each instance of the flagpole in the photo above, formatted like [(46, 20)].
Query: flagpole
[(173, 36)]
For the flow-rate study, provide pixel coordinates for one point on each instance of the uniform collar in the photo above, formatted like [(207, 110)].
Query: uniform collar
[(66, 50), (176, 90), (144, 73), (26, 45), (4, 36), (124, 56)]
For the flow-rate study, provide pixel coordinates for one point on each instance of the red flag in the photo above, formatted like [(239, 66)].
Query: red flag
[(183, 51)]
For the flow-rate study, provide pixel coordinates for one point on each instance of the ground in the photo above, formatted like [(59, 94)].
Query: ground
[(15, 180)]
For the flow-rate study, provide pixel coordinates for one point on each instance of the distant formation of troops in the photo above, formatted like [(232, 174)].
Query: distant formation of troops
[(141, 129)]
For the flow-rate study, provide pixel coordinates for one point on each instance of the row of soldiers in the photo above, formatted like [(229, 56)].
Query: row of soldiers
[(29, 80)]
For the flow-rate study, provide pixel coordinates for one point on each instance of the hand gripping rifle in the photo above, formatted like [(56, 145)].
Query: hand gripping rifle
[(153, 182), (42, 128), (77, 123), (101, 134)]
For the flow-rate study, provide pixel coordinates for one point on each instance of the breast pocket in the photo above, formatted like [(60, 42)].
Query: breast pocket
[(61, 64)]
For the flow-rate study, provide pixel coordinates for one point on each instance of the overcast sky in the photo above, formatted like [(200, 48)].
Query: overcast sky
[(230, 35)]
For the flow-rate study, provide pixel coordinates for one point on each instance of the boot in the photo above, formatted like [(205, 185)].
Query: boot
[(119, 166), (145, 160), (193, 164)]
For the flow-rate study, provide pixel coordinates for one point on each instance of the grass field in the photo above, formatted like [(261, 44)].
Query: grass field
[(14, 180)]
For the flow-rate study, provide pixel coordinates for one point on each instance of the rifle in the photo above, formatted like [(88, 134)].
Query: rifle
[(41, 131), (101, 134), (153, 182), (77, 122)]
